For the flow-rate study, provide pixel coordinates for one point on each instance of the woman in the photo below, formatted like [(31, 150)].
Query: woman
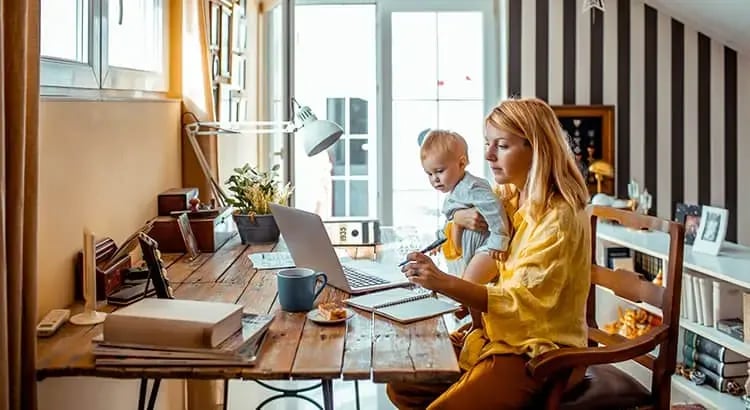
[(538, 301)]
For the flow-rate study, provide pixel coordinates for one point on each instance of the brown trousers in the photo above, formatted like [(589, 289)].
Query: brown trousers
[(497, 382)]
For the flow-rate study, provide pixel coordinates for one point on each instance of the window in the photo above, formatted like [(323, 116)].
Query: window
[(103, 44), (335, 75), (386, 70)]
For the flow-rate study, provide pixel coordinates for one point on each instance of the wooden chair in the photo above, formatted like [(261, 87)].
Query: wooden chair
[(605, 386)]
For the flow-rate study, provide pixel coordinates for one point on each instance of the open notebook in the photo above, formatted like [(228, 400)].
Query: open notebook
[(403, 305)]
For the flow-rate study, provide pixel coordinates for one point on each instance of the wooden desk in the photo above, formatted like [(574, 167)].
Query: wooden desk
[(367, 348)]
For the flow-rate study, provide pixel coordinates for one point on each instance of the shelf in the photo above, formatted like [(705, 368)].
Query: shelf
[(730, 265), (721, 338), (707, 396)]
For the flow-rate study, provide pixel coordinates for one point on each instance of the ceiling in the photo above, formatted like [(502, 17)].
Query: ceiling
[(727, 21)]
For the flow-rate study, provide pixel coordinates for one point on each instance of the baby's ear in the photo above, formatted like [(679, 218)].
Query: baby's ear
[(463, 161)]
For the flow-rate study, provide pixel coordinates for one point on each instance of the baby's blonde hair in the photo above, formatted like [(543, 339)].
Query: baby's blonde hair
[(553, 169), (444, 143)]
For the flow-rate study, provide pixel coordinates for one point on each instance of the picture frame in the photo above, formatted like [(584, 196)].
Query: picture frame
[(712, 230), (590, 130), (157, 272), (688, 215), (191, 244)]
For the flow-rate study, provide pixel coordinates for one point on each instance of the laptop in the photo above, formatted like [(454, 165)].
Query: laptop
[(310, 247)]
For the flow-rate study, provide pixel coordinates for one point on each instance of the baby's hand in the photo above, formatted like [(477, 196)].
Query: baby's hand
[(498, 255), (434, 251)]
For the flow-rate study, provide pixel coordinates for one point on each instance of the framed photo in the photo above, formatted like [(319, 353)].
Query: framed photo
[(690, 216), (590, 131), (712, 230), (191, 245)]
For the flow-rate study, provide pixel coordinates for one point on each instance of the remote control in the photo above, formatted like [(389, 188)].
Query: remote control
[(52, 321)]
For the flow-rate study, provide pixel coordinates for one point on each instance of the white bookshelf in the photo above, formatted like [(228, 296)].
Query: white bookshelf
[(707, 396), (732, 265)]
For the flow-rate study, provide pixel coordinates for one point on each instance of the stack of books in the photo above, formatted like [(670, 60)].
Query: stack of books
[(725, 369), (173, 332)]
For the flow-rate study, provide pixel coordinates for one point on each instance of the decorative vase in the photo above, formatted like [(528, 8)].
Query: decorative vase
[(257, 229)]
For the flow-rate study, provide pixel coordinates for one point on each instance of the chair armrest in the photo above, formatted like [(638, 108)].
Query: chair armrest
[(550, 363)]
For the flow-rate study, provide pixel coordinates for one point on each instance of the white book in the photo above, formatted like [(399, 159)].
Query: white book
[(692, 313), (727, 300), (707, 300), (683, 300), (698, 300), (403, 305)]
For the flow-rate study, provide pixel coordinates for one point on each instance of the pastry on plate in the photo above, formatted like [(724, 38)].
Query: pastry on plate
[(331, 311)]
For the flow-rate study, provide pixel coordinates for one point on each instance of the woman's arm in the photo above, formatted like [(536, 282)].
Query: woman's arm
[(469, 218), (470, 294), (422, 271)]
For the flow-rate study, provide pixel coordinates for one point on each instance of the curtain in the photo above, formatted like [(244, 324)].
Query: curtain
[(196, 91), (19, 175), (197, 100)]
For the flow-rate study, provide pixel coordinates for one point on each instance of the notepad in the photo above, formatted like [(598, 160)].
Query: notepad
[(271, 260), (403, 305)]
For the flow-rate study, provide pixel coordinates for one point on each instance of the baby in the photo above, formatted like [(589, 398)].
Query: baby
[(444, 156)]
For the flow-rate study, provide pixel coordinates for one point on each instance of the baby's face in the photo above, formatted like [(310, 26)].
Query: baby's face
[(443, 171)]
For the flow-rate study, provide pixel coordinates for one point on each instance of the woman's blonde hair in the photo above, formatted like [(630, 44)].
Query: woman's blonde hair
[(553, 169)]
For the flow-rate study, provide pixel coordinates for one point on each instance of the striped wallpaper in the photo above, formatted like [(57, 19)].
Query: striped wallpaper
[(682, 99)]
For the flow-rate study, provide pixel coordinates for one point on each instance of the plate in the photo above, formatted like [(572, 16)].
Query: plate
[(315, 316)]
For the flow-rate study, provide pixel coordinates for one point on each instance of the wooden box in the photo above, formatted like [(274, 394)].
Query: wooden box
[(109, 274), (210, 233), (175, 199)]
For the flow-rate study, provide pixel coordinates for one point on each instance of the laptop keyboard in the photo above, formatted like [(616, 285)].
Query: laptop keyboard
[(360, 279)]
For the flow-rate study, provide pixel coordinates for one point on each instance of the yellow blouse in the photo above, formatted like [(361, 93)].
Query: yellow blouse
[(539, 300)]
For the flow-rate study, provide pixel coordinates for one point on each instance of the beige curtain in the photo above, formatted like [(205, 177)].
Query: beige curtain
[(196, 93), (19, 167), (195, 89)]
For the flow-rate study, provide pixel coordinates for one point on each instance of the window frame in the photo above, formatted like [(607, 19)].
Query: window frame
[(97, 79), (58, 72), (495, 38)]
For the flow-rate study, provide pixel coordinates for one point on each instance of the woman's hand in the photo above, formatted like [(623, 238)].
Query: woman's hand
[(421, 270), (470, 218)]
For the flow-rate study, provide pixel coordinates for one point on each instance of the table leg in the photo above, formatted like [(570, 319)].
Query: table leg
[(327, 385), (356, 393), (152, 396)]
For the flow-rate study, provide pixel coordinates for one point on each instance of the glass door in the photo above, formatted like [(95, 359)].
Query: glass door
[(439, 70), (335, 75)]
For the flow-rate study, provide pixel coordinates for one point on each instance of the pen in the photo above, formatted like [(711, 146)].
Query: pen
[(426, 249)]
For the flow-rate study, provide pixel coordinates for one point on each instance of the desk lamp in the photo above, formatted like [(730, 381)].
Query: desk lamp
[(317, 134)]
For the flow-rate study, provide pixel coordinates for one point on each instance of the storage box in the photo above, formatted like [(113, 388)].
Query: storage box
[(108, 279), (210, 233), (175, 199), (353, 232)]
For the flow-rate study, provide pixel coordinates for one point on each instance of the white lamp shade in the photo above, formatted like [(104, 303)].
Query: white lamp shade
[(318, 135)]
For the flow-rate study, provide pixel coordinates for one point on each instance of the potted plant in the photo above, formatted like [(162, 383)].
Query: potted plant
[(252, 192)]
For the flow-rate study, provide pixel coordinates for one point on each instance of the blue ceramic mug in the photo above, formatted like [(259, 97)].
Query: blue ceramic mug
[(297, 288)]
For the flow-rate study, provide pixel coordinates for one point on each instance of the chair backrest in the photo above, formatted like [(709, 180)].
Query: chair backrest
[(634, 287)]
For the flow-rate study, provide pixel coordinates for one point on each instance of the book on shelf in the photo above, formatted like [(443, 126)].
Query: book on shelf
[(619, 258), (173, 323), (694, 357), (722, 353), (403, 305), (732, 327), (253, 328), (723, 384)]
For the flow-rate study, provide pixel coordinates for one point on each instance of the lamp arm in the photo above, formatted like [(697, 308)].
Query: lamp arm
[(219, 194)]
